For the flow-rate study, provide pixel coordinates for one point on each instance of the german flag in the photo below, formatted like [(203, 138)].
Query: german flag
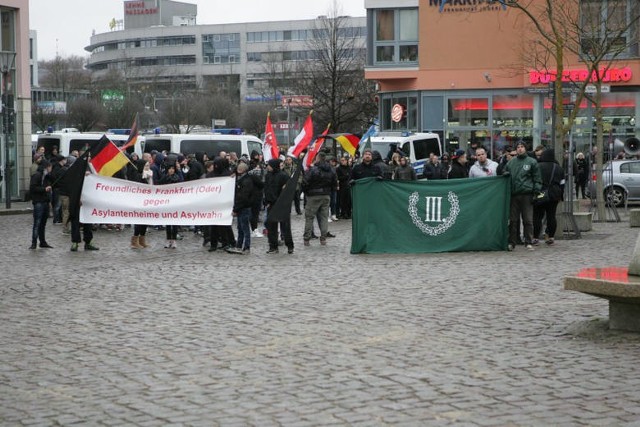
[(106, 157), (348, 141)]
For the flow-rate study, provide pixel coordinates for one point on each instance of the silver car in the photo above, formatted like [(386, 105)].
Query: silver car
[(621, 180)]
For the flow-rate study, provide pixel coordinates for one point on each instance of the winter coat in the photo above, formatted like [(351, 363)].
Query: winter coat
[(38, 184), (525, 175), (320, 180), (244, 191), (554, 183), (458, 170), (405, 173)]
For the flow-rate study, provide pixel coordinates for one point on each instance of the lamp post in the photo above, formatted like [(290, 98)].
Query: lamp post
[(7, 62)]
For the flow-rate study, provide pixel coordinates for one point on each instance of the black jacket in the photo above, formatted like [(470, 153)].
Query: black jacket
[(320, 180), (554, 183), (437, 171), (273, 184), (364, 170), (244, 191), (39, 181), (458, 170)]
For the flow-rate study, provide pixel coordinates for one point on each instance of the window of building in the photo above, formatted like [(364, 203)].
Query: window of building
[(610, 28), (396, 36)]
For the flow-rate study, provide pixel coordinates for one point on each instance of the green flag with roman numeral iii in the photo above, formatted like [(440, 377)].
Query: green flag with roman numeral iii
[(430, 216)]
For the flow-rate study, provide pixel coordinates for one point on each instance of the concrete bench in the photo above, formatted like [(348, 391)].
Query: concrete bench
[(615, 285), (584, 221), (634, 217)]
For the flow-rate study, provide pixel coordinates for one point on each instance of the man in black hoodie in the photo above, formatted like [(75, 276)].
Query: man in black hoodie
[(319, 182), (274, 183)]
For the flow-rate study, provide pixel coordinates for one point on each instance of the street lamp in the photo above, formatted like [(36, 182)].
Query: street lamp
[(7, 62)]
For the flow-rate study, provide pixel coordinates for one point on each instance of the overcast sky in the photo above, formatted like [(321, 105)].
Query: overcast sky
[(65, 26)]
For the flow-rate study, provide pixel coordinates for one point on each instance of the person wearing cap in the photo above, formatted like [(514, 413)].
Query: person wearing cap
[(458, 165), (40, 188), (525, 182), (483, 166)]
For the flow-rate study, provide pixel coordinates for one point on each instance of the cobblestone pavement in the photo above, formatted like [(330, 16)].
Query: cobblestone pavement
[(321, 337)]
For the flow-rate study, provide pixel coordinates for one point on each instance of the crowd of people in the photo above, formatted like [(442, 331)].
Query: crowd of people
[(322, 193)]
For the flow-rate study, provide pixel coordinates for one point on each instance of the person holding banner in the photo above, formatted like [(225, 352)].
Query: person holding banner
[(171, 177), (525, 182), (242, 209)]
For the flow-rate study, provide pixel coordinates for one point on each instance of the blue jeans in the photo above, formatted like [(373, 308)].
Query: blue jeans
[(244, 228), (40, 217)]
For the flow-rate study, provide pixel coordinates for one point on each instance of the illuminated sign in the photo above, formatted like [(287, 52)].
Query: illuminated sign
[(139, 7), (605, 75), (467, 5)]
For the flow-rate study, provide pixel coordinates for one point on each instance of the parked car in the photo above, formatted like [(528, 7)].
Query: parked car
[(621, 181)]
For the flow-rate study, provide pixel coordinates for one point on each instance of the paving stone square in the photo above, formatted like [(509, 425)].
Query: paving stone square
[(321, 337)]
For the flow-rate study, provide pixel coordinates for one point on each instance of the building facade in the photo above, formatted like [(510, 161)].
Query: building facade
[(160, 45), (460, 68), (16, 98)]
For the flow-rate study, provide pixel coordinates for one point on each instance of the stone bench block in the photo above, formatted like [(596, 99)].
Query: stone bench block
[(584, 221), (634, 217), (614, 284)]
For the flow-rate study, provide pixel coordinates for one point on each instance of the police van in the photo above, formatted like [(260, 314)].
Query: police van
[(212, 144), (66, 142), (416, 146)]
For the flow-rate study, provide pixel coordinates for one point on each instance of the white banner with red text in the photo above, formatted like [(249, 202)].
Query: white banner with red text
[(117, 201)]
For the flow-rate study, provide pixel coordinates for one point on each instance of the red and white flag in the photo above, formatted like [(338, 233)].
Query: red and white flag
[(270, 150), (314, 149), (303, 139)]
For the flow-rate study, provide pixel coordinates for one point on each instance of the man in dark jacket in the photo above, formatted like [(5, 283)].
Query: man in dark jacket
[(459, 165), (525, 182), (242, 209), (365, 168), (434, 169), (274, 182), (40, 188), (319, 182)]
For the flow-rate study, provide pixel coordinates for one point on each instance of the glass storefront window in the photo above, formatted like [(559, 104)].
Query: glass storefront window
[(511, 111), (468, 112), (409, 121)]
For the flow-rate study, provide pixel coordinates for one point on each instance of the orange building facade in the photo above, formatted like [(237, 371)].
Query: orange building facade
[(459, 68)]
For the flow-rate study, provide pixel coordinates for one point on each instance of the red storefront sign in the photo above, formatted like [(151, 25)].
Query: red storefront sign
[(607, 75)]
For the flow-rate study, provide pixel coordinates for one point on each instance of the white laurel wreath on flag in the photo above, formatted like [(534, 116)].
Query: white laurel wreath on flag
[(444, 225)]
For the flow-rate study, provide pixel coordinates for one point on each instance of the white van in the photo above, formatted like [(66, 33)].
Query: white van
[(66, 142), (212, 144), (417, 146)]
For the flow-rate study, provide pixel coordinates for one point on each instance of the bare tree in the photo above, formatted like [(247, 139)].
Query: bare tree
[(85, 114), (253, 118), (65, 73), (335, 76), (42, 118), (598, 33)]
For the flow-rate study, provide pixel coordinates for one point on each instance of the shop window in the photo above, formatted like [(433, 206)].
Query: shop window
[(468, 112), (396, 36)]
